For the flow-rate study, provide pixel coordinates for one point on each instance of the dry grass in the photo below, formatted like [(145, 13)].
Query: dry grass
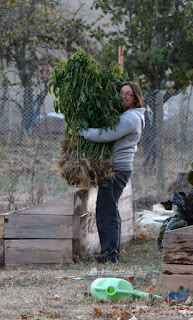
[(26, 173), (63, 291)]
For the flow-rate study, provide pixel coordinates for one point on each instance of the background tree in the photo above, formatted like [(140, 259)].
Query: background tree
[(157, 36), (158, 39), (32, 32)]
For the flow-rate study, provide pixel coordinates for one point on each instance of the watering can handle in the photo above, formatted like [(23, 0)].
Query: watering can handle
[(144, 294), (138, 293), (133, 292)]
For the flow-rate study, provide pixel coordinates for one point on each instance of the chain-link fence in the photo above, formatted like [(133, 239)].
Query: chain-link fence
[(30, 133)]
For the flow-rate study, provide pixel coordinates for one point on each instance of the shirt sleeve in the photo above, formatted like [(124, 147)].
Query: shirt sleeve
[(125, 126)]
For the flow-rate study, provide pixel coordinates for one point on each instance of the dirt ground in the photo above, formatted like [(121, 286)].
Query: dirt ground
[(63, 291)]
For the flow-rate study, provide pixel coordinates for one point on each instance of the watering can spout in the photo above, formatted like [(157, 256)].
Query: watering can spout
[(115, 289)]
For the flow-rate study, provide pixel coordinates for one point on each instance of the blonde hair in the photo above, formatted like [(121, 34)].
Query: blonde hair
[(137, 92)]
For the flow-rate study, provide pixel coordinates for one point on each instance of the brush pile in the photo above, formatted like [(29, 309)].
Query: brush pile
[(88, 99)]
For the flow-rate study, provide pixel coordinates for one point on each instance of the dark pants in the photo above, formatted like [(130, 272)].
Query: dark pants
[(107, 215)]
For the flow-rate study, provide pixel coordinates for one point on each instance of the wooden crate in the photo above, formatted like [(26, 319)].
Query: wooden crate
[(39, 234), (177, 268), (55, 231)]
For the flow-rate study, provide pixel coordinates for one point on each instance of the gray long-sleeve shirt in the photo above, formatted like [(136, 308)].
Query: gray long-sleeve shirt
[(126, 136)]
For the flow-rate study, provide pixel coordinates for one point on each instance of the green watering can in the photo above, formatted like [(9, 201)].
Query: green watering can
[(115, 289)]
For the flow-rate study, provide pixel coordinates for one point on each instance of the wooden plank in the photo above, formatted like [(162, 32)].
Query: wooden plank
[(61, 206), (174, 276), (2, 231), (80, 202), (127, 191), (88, 199), (89, 239), (127, 230), (19, 226), (20, 252), (1, 252), (126, 208), (178, 246), (173, 282), (181, 269), (91, 200), (76, 227)]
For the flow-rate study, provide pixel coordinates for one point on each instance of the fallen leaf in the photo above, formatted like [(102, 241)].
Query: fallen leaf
[(80, 286), (131, 279), (98, 311), (100, 301), (56, 297), (113, 313), (143, 236), (123, 253), (33, 277), (158, 312), (168, 301), (183, 308), (149, 289), (118, 313)]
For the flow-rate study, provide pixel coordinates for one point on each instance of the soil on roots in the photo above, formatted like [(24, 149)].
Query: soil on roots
[(82, 173)]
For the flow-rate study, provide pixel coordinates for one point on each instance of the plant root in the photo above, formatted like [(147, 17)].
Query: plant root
[(82, 173)]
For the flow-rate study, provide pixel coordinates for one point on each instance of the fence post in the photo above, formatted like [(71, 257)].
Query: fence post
[(160, 171)]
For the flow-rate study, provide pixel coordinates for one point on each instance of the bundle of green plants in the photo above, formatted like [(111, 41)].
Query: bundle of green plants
[(88, 99)]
